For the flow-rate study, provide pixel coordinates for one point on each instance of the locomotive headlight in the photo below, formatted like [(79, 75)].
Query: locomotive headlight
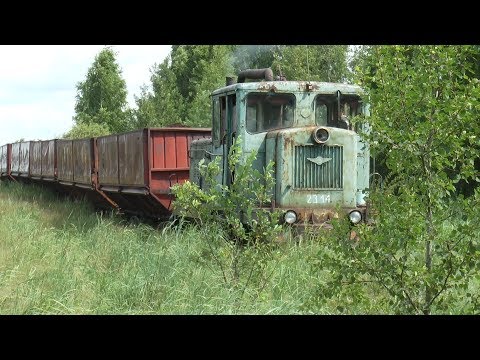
[(321, 135), (290, 217), (355, 216)]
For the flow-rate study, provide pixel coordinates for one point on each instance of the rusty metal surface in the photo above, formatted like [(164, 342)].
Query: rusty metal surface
[(136, 169), (3, 160), (65, 160), (36, 159), (314, 175), (131, 150), (169, 160), (152, 158), (15, 157), (24, 158), (48, 158), (264, 74), (82, 161), (201, 131), (291, 86), (108, 160), (320, 216)]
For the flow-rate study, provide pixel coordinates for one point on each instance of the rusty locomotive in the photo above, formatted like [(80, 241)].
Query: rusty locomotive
[(321, 162)]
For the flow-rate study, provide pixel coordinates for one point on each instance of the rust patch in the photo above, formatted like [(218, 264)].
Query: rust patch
[(5, 159), (82, 161), (36, 158), (322, 216), (24, 166), (316, 216), (48, 158), (108, 160), (307, 86), (65, 160), (266, 87), (131, 150)]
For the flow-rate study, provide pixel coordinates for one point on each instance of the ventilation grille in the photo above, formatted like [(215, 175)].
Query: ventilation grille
[(311, 175)]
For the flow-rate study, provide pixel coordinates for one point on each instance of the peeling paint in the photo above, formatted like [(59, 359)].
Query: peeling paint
[(332, 187)]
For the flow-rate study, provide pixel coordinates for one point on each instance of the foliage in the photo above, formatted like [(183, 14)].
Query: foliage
[(425, 105), (83, 130), (102, 96), (181, 86), (388, 260), (313, 62), (254, 56), (296, 62), (360, 58), (164, 106), (240, 206), (240, 209)]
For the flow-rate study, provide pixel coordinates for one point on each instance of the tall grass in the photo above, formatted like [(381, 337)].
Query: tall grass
[(59, 256)]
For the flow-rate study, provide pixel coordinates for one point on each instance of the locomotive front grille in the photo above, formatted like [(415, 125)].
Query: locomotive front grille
[(318, 167)]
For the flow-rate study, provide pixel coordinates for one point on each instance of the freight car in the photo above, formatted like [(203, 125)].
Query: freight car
[(131, 172), (321, 163)]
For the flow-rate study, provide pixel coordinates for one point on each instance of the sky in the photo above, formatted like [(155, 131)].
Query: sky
[(38, 84)]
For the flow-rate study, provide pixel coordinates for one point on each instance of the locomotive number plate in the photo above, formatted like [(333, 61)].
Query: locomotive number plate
[(318, 199)]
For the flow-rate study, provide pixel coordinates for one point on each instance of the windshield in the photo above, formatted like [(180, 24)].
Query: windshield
[(269, 111), (326, 110)]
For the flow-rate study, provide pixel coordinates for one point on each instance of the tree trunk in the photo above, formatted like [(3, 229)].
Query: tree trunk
[(428, 256)]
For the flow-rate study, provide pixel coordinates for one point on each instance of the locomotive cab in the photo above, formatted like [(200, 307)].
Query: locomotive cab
[(306, 128)]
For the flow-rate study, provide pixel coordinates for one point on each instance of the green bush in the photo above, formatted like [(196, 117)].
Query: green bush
[(240, 207), (236, 211), (421, 257)]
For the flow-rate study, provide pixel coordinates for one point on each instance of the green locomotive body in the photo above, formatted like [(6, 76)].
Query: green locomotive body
[(321, 162)]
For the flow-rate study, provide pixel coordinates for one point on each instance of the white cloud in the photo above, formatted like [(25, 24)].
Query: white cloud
[(38, 84)]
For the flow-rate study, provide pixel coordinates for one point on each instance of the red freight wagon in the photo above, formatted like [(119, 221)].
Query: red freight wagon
[(137, 169)]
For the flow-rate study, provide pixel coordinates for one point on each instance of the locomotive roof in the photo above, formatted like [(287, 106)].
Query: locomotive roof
[(293, 86)]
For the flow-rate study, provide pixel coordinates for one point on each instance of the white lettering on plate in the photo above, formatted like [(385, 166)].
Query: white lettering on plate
[(318, 199)]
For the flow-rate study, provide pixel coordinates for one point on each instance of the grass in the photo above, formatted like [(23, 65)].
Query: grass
[(59, 256)]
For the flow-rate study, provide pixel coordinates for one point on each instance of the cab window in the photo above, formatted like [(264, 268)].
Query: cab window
[(266, 111), (326, 110)]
